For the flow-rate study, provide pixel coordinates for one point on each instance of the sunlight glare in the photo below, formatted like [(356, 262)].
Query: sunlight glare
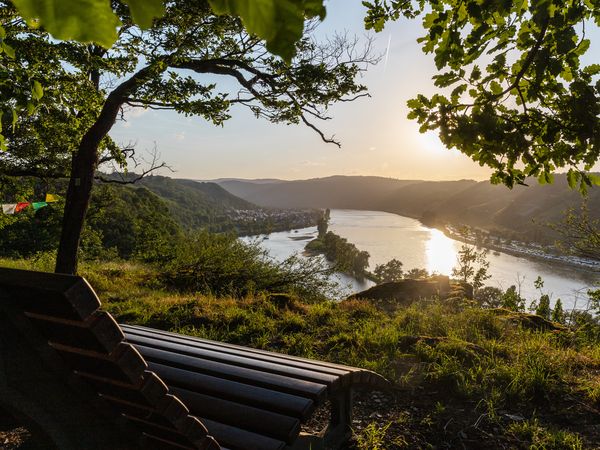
[(441, 253), (430, 142)]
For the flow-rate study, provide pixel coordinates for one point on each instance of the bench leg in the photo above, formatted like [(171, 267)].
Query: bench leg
[(339, 430)]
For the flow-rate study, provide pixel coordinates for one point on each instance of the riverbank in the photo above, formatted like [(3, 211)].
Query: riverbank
[(521, 249), (533, 252)]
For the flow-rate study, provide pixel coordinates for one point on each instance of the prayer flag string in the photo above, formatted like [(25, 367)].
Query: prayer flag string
[(13, 208)]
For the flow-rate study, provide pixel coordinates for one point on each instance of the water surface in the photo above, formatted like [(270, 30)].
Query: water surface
[(386, 236)]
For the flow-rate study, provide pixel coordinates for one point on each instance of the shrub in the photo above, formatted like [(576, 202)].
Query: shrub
[(222, 265)]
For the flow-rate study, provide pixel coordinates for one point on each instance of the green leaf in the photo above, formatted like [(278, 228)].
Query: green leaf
[(572, 178), (143, 12), (594, 179), (8, 50), (37, 91), (81, 20), (279, 22), (592, 69), (15, 117), (495, 88)]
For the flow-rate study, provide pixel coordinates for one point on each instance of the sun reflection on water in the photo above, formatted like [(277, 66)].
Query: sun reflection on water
[(441, 253)]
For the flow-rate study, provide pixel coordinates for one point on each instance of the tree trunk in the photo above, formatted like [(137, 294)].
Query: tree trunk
[(83, 168), (76, 205)]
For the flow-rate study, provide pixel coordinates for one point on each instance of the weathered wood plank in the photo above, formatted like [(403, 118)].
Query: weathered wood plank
[(246, 417), (238, 361), (293, 386), (136, 335), (224, 345), (238, 439), (65, 296), (279, 402), (98, 333)]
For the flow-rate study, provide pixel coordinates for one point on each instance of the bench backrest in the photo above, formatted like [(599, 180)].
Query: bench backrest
[(54, 338)]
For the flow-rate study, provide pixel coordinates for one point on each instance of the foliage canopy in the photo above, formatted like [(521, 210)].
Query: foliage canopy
[(279, 22), (513, 93), (164, 67)]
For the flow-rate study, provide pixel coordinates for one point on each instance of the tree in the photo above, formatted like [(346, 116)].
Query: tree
[(489, 297), (279, 22), (472, 266), (543, 307), (88, 87), (416, 274), (579, 233), (390, 271), (323, 224), (513, 93), (512, 300), (558, 314)]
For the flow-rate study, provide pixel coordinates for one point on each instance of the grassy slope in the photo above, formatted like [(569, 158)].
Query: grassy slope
[(459, 370)]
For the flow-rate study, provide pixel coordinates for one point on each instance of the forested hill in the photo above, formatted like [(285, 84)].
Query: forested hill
[(135, 219), (195, 204), (516, 213)]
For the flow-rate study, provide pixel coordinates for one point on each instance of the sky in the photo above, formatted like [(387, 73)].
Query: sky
[(376, 136)]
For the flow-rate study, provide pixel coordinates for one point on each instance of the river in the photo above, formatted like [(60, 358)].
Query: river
[(386, 236)]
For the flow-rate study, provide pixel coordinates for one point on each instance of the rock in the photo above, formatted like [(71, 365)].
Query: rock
[(515, 417), (528, 321), (404, 292)]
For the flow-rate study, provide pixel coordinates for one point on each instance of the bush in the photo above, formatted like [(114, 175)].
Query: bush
[(222, 265)]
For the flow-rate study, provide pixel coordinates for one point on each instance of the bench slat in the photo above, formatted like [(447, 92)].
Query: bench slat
[(238, 439), (293, 386), (226, 346), (280, 402), (48, 293), (135, 334), (248, 418), (99, 332), (238, 361)]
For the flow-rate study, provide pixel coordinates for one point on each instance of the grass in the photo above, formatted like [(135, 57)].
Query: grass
[(465, 353), (540, 438)]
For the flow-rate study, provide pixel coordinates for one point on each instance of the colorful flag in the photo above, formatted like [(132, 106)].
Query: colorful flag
[(51, 198), (21, 206), (38, 205), (9, 208)]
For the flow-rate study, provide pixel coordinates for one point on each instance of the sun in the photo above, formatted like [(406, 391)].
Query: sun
[(431, 143)]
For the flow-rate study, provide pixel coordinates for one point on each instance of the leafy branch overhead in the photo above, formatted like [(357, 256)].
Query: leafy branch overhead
[(513, 93), (179, 63), (279, 22)]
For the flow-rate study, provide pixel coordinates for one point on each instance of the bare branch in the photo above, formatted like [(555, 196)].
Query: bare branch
[(320, 133)]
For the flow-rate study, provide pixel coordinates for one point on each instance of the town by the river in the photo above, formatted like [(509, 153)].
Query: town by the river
[(386, 236)]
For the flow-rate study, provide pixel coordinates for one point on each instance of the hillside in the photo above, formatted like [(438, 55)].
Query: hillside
[(518, 213), (195, 204)]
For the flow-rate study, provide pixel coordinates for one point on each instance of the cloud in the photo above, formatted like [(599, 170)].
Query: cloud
[(307, 163)]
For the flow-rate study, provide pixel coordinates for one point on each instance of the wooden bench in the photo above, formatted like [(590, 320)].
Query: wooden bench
[(70, 372)]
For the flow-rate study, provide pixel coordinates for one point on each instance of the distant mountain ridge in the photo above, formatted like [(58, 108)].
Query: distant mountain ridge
[(338, 191), (518, 213)]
